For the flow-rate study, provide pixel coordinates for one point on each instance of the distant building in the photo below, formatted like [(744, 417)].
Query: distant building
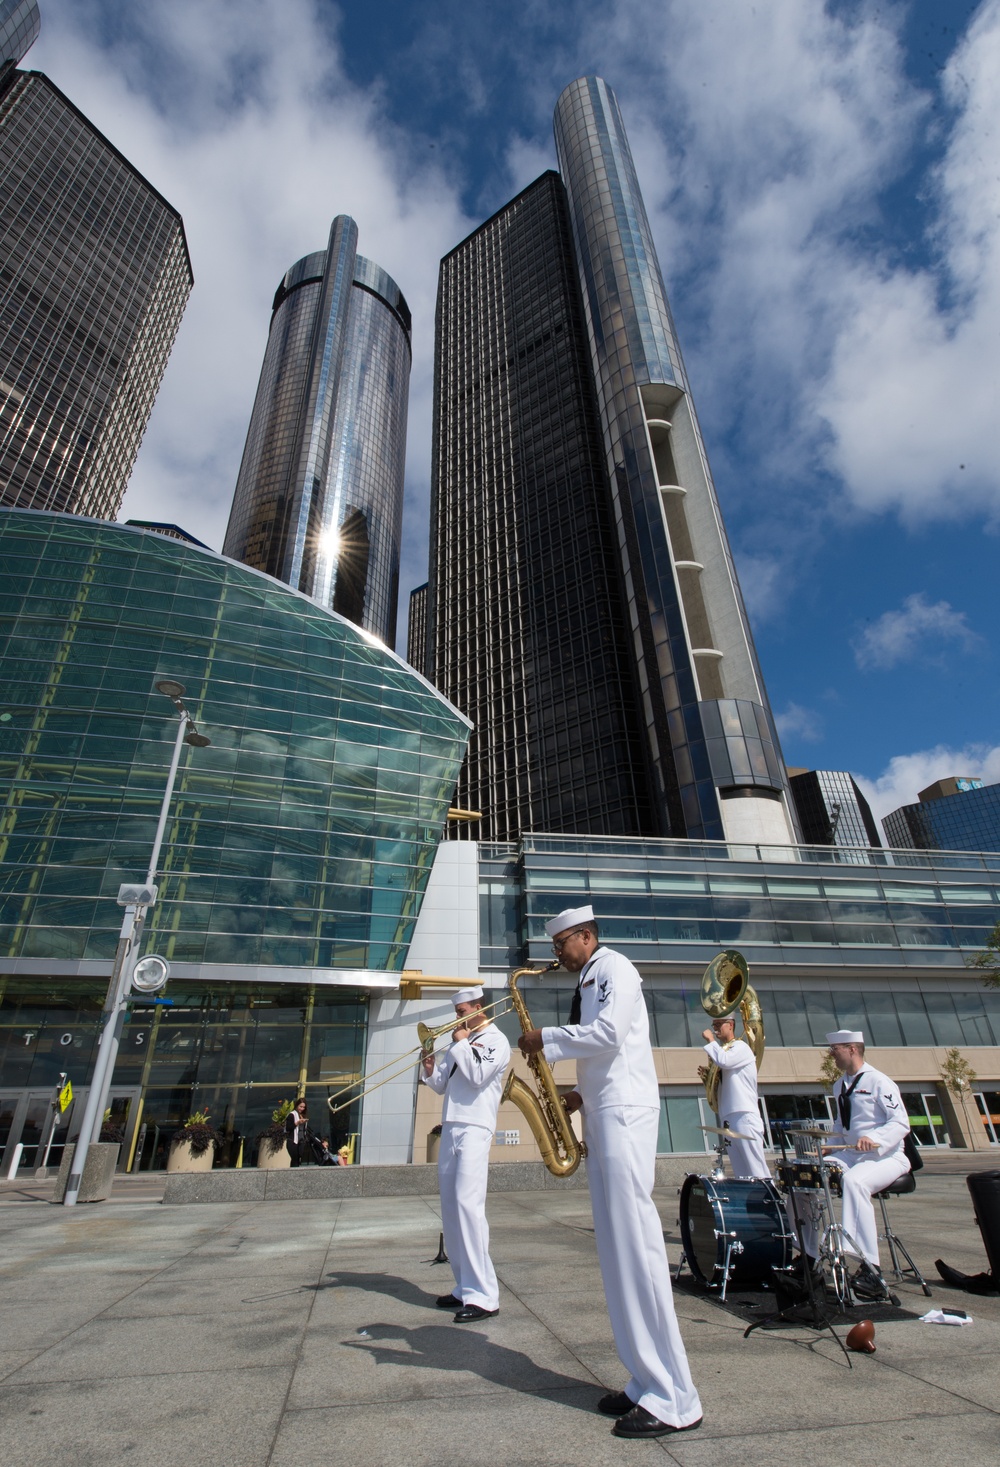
[(832, 810), (416, 629), (173, 532), (20, 23), (94, 278), (964, 816), (319, 497), (583, 607)]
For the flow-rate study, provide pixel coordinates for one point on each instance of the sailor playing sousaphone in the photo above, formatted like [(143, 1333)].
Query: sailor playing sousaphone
[(733, 1092)]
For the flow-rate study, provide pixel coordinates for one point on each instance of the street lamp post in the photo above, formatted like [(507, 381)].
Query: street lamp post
[(136, 900)]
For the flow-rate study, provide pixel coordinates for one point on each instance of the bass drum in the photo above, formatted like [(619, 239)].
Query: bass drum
[(748, 1213)]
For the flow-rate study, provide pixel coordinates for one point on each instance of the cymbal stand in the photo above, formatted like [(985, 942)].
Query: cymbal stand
[(815, 1288)]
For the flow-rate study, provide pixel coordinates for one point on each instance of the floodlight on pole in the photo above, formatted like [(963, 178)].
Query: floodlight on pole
[(136, 900)]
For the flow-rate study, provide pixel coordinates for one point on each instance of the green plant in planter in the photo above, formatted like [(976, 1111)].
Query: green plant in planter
[(110, 1132), (274, 1134), (198, 1133)]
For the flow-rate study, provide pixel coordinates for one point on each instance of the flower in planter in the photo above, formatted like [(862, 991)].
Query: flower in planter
[(274, 1134), (198, 1133)]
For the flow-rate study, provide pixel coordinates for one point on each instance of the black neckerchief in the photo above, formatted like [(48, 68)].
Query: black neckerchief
[(576, 1006), (844, 1100)]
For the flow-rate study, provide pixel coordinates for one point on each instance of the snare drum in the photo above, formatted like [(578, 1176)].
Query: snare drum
[(807, 1176), (747, 1214)]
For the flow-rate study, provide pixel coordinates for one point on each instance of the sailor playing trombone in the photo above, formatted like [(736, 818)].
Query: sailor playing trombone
[(470, 1075)]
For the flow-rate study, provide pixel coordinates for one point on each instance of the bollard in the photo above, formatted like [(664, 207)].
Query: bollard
[(15, 1162)]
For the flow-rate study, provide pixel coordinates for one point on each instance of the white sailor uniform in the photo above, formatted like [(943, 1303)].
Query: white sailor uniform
[(470, 1075), (616, 1079), (738, 1106), (876, 1111)]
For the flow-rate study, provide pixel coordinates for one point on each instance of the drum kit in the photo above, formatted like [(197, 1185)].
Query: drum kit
[(739, 1232)]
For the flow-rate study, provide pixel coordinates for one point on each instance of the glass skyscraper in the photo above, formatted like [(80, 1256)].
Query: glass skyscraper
[(583, 605), (319, 497), (20, 23), (94, 278), (966, 820), (832, 810)]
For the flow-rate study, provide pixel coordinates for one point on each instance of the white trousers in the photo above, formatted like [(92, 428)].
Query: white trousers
[(463, 1169), (621, 1152), (864, 1172), (747, 1158)]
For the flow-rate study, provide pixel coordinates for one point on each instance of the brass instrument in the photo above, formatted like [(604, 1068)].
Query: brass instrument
[(725, 987), (402, 1062), (546, 1115)]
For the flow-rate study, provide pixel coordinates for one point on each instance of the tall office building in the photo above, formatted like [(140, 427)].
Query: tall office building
[(957, 814), (583, 606), (832, 810), (319, 498), (416, 629), (94, 278)]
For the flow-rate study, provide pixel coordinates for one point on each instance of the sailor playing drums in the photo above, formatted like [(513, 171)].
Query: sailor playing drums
[(738, 1097), (872, 1125)]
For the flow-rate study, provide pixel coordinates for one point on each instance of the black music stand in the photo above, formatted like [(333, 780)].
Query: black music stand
[(816, 1295)]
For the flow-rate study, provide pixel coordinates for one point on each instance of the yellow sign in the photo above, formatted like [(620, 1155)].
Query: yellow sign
[(65, 1097)]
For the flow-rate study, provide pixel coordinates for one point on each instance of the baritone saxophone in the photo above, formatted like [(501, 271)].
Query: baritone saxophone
[(545, 1113)]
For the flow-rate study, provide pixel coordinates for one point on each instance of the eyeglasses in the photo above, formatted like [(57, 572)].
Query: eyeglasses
[(558, 943)]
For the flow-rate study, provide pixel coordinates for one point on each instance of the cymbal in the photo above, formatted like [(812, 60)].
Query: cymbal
[(810, 1131), (724, 1131)]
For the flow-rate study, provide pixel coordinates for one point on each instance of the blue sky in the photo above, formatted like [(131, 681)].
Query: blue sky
[(823, 186)]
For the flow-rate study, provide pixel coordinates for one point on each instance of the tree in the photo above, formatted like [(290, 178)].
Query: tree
[(988, 961), (957, 1073), (828, 1073)]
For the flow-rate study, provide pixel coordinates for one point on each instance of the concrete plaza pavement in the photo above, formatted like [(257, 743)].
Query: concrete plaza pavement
[(303, 1334)]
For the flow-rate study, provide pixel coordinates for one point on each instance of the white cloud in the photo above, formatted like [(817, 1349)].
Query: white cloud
[(240, 114), (797, 722), (907, 774), (913, 631)]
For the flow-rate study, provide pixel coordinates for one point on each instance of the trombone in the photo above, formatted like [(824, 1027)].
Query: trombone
[(402, 1062)]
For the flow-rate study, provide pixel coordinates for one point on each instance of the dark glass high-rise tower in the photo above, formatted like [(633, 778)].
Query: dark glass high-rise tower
[(529, 633), (583, 605), (94, 278), (319, 497)]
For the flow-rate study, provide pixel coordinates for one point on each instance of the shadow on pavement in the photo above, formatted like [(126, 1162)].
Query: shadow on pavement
[(443, 1347)]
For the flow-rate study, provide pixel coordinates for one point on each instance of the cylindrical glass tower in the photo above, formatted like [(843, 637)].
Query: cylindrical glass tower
[(319, 498)]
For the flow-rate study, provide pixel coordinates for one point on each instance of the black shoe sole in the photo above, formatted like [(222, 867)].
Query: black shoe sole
[(663, 1430)]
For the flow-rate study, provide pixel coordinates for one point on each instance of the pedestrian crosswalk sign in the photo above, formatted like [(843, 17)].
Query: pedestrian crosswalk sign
[(65, 1097)]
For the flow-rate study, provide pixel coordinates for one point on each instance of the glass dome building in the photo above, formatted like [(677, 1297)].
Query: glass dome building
[(298, 844)]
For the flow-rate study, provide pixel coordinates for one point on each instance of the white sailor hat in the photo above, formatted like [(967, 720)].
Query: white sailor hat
[(845, 1036), (572, 917), (468, 995)]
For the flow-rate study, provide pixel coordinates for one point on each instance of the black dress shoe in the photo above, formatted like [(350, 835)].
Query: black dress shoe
[(641, 1423), (469, 1312), (449, 1301), (615, 1404), (869, 1285)]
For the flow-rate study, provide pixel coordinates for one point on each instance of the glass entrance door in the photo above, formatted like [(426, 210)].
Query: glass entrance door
[(923, 1110), (988, 1103), (25, 1116)]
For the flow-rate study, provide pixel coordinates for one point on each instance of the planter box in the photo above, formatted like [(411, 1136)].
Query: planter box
[(271, 1158), (183, 1159), (98, 1173)]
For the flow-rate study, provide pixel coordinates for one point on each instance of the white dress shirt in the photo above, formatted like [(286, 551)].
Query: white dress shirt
[(470, 1076), (614, 1058), (738, 1089), (877, 1111)]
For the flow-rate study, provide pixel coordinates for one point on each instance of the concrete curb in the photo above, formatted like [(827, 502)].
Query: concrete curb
[(315, 1183)]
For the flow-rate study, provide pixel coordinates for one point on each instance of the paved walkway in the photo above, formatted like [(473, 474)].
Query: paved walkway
[(304, 1334)]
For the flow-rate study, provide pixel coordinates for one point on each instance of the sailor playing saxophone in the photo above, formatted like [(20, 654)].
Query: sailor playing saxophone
[(470, 1076), (617, 1089), (738, 1109)]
